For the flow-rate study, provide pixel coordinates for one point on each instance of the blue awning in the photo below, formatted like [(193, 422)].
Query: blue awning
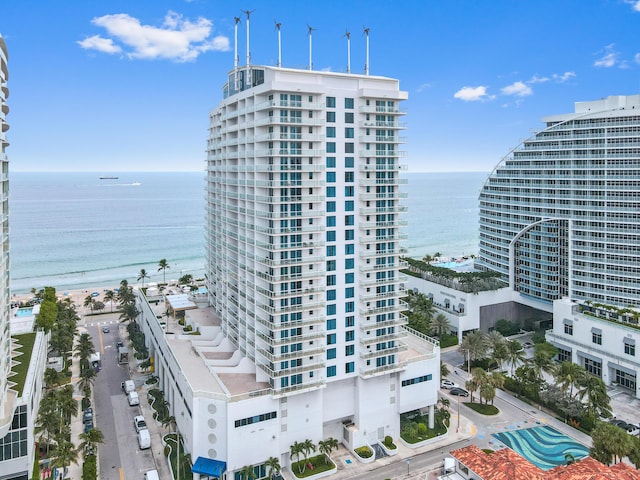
[(209, 467)]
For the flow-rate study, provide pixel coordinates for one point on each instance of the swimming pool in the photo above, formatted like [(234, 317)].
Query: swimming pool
[(202, 290), (24, 312), (465, 265), (543, 446)]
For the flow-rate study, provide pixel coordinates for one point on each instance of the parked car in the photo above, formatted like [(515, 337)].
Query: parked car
[(139, 423), (448, 384), (459, 391), (133, 399), (119, 344), (527, 344), (105, 329), (88, 415), (88, 426)]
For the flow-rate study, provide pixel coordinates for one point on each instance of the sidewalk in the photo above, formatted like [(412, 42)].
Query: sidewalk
[(74, 470)]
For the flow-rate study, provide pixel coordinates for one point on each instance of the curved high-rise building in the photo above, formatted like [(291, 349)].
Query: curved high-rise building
[(560, 216), (6, 397)]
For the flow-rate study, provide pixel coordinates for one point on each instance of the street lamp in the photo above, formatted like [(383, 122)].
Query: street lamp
[(458, 427), (408, 464)]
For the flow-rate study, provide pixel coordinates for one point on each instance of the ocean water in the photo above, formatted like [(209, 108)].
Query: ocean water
[(74, 230)]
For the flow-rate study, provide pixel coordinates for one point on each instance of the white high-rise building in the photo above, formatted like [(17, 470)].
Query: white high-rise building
[(304, 338), (560, 219), (7, 397), (20, 348)]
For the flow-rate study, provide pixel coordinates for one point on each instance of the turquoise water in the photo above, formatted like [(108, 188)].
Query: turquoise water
[(24, 312), (462, 266), (202, 290), (543, 446)]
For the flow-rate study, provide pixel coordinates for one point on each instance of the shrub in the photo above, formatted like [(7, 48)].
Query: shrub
[(388, 442), (89, 468), (422, 428), (86, 403), (364, 451)]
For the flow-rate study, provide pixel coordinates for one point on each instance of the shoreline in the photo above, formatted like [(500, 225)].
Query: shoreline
[(77, 296)]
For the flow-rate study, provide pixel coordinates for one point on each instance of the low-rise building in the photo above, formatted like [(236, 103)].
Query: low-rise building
[(230, 419)]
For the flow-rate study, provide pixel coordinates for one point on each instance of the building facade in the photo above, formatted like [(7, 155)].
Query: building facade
[(560, 219), (303, 337), (7, 398), (19, 395), (559, 216)]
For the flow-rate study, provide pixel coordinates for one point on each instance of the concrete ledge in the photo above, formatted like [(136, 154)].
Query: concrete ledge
[(424, 442)]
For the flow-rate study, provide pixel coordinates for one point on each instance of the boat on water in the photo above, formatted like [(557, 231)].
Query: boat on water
[(108, 177)]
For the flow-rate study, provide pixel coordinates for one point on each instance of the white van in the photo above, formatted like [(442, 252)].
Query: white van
[(151, 475), (133, 398), (128, 386), (144, 439)]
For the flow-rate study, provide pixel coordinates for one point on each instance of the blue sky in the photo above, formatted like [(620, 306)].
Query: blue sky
[(112, 86)]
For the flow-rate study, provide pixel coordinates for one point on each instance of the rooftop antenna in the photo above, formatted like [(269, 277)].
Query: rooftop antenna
[(236, 59), (278, 25), (248, 13), (311, 29), (366, 65), (348, 35)]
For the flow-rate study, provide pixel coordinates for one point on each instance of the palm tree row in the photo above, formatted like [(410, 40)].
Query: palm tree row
[(577, 389), (307, 447), (422, 315)]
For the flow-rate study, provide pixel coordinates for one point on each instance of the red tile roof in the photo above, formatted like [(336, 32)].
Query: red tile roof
[(506, 464)]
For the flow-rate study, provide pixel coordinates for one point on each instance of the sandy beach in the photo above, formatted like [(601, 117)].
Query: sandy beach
[(77, 296)]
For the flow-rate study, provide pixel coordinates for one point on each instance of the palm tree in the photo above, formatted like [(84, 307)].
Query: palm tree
[(296, 451), (475, 346), (110, 296), (273, 467), (89, 441), (247, 473), (444, 370), (163, 265), (64, 454), (610, 443), (142, 275), (307, 447), (419, 303), (129, 313), (515, 354), (67, 405), (478, 380), (440, 325), (185, 279), (84, 347), (87, 375), (88, 302), (569, 375), (597, 400), (327, 446)]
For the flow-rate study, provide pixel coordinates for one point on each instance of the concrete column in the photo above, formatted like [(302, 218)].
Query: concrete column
[(432, 410)]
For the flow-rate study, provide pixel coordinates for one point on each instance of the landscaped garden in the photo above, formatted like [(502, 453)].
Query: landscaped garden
[(414, 425)]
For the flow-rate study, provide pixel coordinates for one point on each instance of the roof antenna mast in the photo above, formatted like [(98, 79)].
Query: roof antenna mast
[(348, 35), (311, 29), (248, 13), (236, 59), (366, 65), (278, 25)]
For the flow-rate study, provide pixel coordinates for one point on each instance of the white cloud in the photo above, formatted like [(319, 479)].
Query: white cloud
[(519, 89), (635, 4), (609, 57), (473, 94), (564, 77), (537, 79), (637, 57), (423, 87), (176, 39), (96, 42)]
